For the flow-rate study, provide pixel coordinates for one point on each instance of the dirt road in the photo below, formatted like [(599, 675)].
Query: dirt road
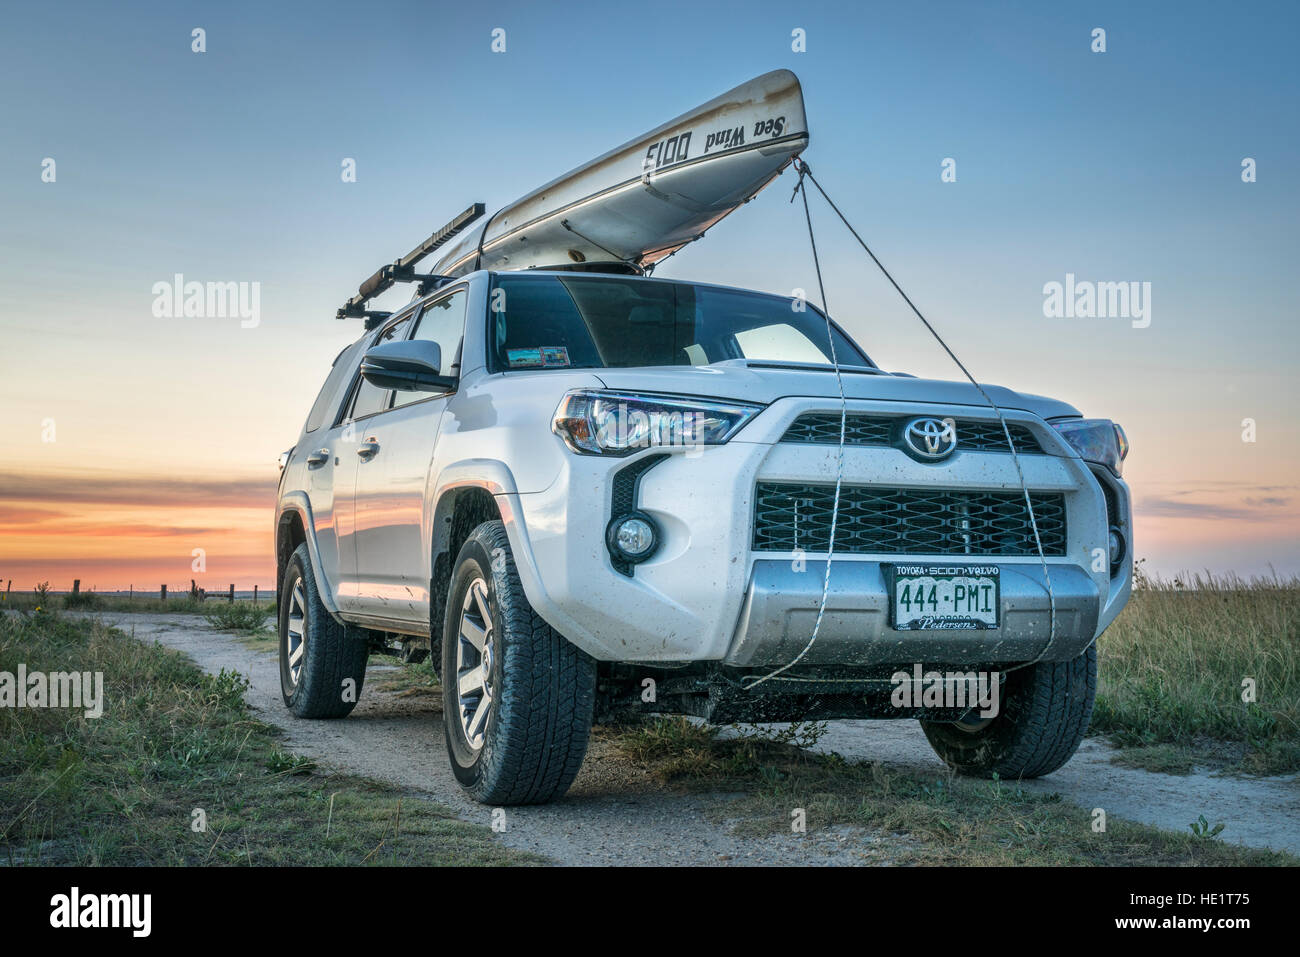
[(615, 814)]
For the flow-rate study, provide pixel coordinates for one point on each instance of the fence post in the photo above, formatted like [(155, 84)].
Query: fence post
[(162, 593), (254, 594), (76, 586), (232, 594), (131, 594)]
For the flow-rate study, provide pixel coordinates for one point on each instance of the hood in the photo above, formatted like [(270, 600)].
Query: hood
[(764, 382)]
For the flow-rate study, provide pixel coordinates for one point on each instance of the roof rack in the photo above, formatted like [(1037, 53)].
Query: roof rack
[(403, 270)]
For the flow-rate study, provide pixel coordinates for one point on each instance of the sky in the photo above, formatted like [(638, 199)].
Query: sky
[(133, 440)]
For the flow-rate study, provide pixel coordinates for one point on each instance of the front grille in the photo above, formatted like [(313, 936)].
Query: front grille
[(976, 435), (906, 521)]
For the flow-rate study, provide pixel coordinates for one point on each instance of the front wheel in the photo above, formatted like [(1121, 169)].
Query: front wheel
[(322, 663), (1044, 714), (517, 696)]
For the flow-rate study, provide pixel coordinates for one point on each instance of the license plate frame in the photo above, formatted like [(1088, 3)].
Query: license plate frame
[(949, 587)]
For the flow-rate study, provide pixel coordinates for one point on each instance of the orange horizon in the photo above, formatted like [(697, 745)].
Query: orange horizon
[(116, 531)]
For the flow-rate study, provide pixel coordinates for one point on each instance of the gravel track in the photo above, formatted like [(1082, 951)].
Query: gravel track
[(615, 814)]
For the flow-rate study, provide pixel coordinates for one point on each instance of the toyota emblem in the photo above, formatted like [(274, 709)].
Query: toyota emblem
[(930, 439)]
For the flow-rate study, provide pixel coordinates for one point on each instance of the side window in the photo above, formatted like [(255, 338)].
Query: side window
[(443, 322), (368, 399), (328, 400)]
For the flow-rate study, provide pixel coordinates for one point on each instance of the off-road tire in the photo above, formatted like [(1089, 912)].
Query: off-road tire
[(543, 687), (333, 654), (1044, 714)]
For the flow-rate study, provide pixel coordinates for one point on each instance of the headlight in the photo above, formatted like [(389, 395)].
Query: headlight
[(616, 423), (1099, 441)]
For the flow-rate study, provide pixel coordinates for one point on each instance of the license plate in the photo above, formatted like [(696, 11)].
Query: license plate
[(943, 597)]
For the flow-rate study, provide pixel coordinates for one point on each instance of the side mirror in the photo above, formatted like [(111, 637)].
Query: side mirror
[(410, 365)]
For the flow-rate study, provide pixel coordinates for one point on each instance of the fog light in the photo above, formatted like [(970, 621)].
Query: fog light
[(1116, 548), (633, 537)]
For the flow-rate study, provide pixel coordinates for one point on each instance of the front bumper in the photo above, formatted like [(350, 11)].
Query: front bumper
[(780, 611), (707, 595)]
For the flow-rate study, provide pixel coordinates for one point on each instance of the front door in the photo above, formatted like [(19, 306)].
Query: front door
[(391, 513)]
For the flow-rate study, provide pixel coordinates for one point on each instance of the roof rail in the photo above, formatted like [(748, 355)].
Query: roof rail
[(403, 270)]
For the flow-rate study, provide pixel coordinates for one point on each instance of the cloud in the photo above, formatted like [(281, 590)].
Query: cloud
[(21, 516), (106, 487), (110, 530), (1218, 485), (1218, 503)]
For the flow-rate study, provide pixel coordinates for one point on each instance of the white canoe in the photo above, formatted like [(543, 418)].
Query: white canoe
[(651, 196)]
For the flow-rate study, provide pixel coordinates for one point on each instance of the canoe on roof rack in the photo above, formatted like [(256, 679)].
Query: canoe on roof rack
[(649, 197), (628, 209)]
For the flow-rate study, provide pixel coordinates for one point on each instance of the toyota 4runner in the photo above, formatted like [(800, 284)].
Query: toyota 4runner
[(590, 493)]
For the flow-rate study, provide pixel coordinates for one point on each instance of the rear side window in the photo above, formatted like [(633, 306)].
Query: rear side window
[(330, 393)]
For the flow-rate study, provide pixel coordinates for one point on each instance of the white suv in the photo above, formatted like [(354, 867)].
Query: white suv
[(593, 492)]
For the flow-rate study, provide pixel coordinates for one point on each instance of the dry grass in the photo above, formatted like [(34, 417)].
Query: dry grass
[(1172, 672), (179, 602), (123, 789), (913, 818)]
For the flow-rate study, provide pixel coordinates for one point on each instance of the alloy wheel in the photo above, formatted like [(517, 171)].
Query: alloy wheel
[(296, 646), (474, 664)]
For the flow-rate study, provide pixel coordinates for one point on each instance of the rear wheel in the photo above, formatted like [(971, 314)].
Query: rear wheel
[(322, 663), (517, 696), (1044, 713)]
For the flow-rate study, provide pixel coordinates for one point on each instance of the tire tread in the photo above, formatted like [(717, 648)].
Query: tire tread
[(335, 652), (543, 722)]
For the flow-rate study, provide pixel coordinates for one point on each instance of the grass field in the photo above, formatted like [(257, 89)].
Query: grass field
[(1176, 663), (128, 788), (179, 603), (122, 789), (938, 819)]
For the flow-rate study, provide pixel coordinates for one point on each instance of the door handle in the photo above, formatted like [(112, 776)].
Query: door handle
[(319, 457), (368, 450)]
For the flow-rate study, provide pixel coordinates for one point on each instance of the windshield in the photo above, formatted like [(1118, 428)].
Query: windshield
[(602, 322)]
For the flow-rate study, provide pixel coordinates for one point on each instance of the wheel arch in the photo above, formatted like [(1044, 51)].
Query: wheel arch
[(460, 507), (294, 527)]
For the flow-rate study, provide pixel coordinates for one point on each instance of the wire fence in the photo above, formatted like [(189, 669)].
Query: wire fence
[(194, 592)]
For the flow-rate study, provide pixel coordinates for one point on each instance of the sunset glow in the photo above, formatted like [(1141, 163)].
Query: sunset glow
[(135, 433)]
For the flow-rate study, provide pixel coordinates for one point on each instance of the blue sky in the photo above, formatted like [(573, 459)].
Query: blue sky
[(1114, 166)]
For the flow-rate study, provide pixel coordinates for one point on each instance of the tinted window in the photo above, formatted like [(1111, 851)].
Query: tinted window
[(443, 322), (329, 397), (369, 399), (594, 322)]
